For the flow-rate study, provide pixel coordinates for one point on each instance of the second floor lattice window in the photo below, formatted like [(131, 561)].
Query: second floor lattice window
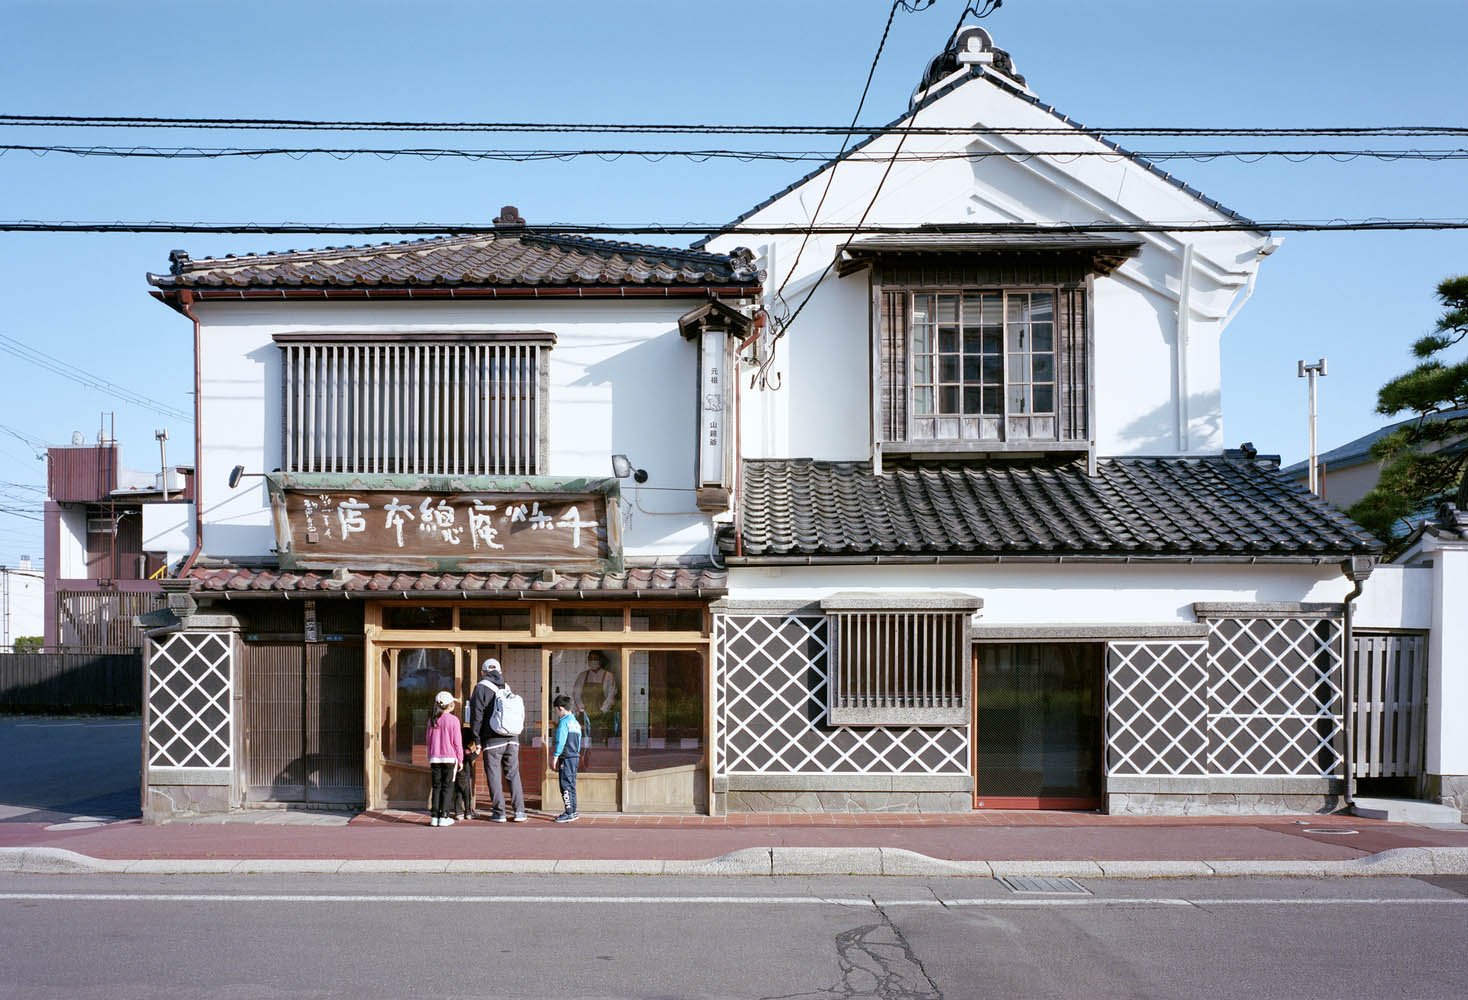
[(430, 405), (983, 365)]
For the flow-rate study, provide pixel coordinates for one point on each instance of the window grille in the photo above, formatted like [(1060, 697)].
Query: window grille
[(894, 665), (420, 407)]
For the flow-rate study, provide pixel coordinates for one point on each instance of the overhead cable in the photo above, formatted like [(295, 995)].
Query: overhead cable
[(55, 365), (704, 155), (291, 124)]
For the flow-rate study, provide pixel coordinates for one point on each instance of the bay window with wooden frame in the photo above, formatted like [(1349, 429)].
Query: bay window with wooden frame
[(983, 352)]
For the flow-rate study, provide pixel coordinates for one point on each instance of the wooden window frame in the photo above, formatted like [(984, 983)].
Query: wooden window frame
[(421, 403), (1073, 375)]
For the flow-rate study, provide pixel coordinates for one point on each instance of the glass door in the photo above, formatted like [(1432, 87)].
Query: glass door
[(1037, 726), (593, 680)]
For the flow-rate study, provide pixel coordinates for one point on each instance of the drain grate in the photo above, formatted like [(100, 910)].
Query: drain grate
[(1046, 885)]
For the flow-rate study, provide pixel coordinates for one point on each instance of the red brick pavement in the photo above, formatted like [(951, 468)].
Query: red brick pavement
[(991, 836)]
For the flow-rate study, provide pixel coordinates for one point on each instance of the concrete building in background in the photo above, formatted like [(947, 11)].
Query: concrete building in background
[(111, 535), (964, 534), (22, 603)]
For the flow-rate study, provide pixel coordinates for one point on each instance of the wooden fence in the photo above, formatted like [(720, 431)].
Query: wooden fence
[(1391, 704), (71, 682)]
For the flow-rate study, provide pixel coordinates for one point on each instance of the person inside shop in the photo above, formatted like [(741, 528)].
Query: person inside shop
[(594, 694)]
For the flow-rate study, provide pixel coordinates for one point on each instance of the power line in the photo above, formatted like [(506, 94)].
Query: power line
[(55, 365), (707, 155), (749, 229), (324, 125)]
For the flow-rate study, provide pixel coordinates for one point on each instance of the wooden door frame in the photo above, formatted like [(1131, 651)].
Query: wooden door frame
[(1036, 802)]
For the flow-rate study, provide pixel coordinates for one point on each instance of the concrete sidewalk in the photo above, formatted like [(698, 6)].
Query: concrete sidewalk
[(983, 843)]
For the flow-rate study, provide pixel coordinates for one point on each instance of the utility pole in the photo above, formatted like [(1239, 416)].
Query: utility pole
[(162, 437), (1313, 372)]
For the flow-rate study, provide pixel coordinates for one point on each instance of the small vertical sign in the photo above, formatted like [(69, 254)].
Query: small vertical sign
[(711, 408), (313, 630)]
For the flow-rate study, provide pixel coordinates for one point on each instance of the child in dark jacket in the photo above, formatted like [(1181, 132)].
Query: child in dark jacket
[(464, 780)]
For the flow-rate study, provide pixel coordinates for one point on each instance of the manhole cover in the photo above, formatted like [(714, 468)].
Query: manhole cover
[(1052, 886), (1329, 831)]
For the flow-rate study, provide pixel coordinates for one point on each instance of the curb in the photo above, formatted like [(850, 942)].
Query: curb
[(763, 861)]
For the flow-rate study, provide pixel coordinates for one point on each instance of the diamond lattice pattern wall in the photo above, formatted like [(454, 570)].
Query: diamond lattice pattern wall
[(189, 693), (770, 709)]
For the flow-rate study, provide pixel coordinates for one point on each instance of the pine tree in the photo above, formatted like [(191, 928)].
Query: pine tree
[(1425, 462)]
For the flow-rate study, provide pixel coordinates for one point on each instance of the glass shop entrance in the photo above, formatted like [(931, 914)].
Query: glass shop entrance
[(1037, 725), (637, 677)]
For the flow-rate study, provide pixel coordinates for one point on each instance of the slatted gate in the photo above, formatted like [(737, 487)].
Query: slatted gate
[(1390, 702), (303, 722)]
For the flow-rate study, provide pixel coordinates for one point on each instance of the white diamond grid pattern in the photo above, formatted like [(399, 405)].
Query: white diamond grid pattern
[(1274, 696), (189, 701), (1157, 708), (769, 677)]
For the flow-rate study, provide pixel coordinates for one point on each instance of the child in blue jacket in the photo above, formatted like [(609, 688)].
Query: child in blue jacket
[(568, 754)]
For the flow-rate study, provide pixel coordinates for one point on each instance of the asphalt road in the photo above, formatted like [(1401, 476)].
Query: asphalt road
[(367, 936), (58, 768)]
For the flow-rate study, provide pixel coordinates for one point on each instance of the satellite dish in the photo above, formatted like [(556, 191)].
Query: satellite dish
[(77, 438)]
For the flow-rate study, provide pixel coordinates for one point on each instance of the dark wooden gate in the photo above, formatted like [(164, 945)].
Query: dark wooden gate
[(303, 722)]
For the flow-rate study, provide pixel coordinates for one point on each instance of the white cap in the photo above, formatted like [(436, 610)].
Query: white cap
[(444, 699)]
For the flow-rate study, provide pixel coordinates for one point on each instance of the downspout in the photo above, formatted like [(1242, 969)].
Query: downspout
[(1184, 316), (185, 306), (1356, 569)]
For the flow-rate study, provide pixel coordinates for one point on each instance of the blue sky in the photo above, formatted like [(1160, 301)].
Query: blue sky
[(1357, 298)]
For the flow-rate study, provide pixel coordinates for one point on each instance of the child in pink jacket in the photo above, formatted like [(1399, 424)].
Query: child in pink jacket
[(445, 756)]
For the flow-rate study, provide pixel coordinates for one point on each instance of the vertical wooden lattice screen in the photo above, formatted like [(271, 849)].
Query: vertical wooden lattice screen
[(898, 666), (413, 407)]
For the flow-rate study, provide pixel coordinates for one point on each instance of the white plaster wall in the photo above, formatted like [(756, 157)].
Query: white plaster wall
[(1051, 594), (22, 606), (168, 528), (1395, 597), (823, 363), (622, 380), (1447, 663), (72, 536)]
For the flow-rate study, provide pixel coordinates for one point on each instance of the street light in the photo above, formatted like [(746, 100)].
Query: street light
[(1314, 372)]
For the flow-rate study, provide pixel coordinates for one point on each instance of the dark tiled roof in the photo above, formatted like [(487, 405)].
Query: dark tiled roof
[(1216, 507), (495, 259), (664, 581)]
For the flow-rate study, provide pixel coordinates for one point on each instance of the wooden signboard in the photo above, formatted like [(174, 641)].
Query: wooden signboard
[(379, 523)]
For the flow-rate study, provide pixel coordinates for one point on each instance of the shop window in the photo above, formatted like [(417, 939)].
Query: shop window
[(591, 678), (895, 665), (492, 620), (417, 617), (582, 620), (665, 710), (668, 620), (422, 673)]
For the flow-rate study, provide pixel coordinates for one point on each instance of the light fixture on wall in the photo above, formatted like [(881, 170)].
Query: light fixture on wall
[(238, 473), (622, 468)]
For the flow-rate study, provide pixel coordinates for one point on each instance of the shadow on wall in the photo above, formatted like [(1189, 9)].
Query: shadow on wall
[(1155, 432), (653, 421)]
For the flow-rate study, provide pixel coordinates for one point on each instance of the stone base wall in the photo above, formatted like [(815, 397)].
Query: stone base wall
[(166, 802), (1219, 804), (742, 801), (1448, 789)]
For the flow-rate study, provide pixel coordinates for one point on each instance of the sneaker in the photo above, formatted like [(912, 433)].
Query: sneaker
[(497, 818), (435, 822), (520, 818), (565, 817), (446, 821)]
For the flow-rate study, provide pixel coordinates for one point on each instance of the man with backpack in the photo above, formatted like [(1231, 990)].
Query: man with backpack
[(497, 717)]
